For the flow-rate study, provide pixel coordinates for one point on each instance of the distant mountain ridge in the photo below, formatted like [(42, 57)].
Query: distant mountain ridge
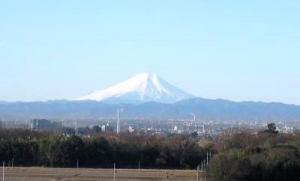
[(204, 109), (147, 96)]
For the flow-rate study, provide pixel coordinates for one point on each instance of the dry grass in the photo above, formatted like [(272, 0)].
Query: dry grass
[(68, 174)]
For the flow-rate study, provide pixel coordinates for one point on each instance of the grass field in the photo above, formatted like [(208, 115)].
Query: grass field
[(81, 174)]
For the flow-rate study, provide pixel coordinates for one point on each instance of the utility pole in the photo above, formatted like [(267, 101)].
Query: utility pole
[(76, 128), (194, 117), (114, 171), (118, 121), (3, 174), (197, 172), (139, 165), (62, 124), (207, 159)]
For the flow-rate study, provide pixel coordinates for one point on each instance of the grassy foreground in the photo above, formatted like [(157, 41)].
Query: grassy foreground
[(81, 174)]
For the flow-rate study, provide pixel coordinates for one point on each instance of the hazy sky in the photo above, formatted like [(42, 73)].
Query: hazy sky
[(238, 50)]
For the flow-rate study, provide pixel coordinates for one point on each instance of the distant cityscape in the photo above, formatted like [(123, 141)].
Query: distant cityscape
[(153, 127)]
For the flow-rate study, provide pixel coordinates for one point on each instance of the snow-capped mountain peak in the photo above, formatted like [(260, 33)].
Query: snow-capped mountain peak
[(140, 88)]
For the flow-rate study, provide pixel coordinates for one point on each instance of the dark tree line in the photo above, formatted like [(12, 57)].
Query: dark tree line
[(26, 148), (266, 156)]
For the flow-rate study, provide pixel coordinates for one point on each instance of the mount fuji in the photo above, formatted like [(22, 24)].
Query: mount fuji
[(144, 96), (145, 87)]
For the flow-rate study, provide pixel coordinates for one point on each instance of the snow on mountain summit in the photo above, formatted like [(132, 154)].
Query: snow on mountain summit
[(143, 87)]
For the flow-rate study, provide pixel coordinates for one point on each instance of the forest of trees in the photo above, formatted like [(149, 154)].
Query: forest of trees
[(242, 155), (27, 148), (266, 156)]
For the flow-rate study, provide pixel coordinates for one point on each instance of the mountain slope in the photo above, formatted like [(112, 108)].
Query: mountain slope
[(143, 87)]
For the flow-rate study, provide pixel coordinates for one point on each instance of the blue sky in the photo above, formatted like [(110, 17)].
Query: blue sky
[(238, 50)]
